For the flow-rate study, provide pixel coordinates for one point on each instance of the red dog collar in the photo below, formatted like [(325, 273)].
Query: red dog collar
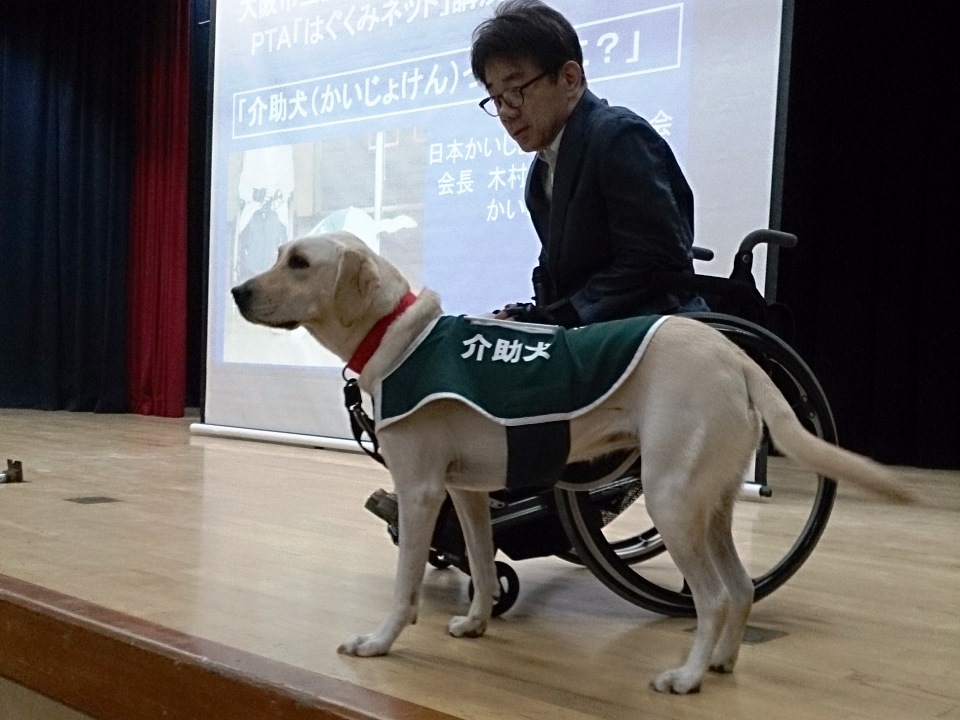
[(371, 342)]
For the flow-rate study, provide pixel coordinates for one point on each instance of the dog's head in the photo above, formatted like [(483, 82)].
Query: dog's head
[(332, 284)]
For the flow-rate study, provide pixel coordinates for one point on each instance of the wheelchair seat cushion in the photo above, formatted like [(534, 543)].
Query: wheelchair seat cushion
[(533, 379)]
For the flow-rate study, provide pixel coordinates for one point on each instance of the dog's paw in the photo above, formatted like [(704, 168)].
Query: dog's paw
[(466, 626), (363, 646), (677, 682)]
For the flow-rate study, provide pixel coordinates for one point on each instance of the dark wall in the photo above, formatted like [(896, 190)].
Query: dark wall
[(869, 191), (198, 208), (67, 90)]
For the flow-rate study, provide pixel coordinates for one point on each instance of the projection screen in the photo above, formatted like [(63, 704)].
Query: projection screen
[(331, 114)]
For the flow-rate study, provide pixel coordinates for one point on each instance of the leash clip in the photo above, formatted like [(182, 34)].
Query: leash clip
[(360, 422), (351, 394)]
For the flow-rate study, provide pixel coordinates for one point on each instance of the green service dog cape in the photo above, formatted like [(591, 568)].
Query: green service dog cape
[(533, 379)]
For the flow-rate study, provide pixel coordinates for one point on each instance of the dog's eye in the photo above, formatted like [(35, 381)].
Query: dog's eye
[(297, 262)]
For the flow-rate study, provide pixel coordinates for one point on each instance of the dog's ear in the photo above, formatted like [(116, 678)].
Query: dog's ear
[(357, 280)]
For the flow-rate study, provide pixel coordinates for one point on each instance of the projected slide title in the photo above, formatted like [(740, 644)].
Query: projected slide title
[(620, 46), (311, 27)]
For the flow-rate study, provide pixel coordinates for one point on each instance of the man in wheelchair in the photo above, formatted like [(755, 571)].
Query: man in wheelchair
[(609, 202)]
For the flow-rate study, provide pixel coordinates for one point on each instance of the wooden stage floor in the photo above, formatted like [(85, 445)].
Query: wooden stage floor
[(254, 560)]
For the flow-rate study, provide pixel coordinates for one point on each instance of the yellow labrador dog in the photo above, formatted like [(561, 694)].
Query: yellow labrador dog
[(693, 407)]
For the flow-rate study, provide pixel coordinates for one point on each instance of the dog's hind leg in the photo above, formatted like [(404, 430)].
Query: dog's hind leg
[(473, 510), (419, 497), (738, 584), (683, 523)]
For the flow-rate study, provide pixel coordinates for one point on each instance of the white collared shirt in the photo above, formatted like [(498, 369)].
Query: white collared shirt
[(549, 156)]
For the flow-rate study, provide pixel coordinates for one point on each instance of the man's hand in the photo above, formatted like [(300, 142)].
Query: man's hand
[(507, 312), (530, 313), (562, 313)]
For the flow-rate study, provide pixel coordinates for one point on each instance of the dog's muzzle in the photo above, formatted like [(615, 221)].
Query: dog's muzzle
[(242, 295)]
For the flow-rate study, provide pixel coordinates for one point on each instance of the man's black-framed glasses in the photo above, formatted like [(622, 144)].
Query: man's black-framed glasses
[(511, 97)]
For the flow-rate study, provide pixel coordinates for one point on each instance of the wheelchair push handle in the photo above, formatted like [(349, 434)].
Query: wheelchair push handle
[(743, 262), (770, 237), (754, 238)]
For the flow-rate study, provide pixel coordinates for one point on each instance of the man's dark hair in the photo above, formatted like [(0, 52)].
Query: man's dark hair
[(525, 30)]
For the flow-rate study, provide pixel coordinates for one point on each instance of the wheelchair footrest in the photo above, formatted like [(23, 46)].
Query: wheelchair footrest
[(384, 506)]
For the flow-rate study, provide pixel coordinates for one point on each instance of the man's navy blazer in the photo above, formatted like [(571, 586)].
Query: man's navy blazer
[(620, 223)]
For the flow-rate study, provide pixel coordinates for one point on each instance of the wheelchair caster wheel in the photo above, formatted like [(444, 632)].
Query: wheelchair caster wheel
[(439, 560), (509, 589)]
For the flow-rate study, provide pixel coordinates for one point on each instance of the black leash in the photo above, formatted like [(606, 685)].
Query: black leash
[(360, 422)]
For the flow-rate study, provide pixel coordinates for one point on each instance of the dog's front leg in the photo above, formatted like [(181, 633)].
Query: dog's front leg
[(419, 499), (473, 511)]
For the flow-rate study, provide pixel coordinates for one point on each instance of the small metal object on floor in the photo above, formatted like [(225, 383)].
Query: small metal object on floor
[(13, 473)]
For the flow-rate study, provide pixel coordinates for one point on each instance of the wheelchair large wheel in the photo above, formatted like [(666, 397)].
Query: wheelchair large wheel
[(774, 533), (608, 503)]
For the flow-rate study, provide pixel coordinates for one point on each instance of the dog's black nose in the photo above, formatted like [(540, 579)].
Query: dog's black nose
[(241, 294)]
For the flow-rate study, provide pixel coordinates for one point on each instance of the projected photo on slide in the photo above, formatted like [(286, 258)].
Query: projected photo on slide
[(285, 191), (340, 114)]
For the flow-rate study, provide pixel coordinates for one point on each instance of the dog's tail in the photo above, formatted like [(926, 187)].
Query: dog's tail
[(805, 448)]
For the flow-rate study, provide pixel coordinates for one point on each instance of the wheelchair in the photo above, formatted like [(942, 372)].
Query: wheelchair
[(781, 516)]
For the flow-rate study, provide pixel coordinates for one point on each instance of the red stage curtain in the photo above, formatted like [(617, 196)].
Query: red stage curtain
[(157, 275)]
